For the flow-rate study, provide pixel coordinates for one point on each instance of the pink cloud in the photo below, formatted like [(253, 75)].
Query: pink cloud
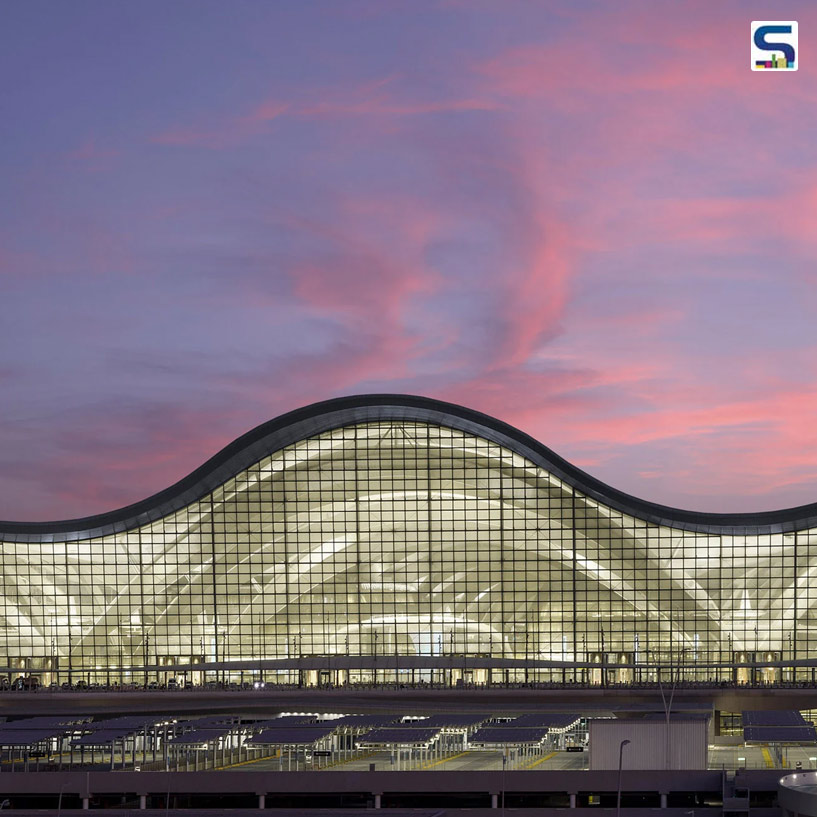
[(626, 52), (374, 280), (123, 457), (627, 112), (741, 447), (788, 214), (602, 169)]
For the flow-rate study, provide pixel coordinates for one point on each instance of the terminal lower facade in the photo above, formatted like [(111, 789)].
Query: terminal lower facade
[(400, 527)]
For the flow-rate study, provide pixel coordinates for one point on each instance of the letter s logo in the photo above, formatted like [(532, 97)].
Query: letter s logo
[(764, 45), (774, 45)]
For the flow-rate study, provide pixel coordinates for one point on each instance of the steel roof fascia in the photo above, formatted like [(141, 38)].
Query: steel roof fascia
[(318, 418)]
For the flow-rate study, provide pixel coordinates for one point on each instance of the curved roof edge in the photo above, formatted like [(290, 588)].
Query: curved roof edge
[(329, 414)]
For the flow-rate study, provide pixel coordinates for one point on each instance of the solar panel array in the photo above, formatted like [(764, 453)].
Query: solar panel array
[(449, 721), (777, 726), (780, 734), (104, 732), (46, 721), (363, 721), (783, 717), (509, 734), (292, 729), (29, 731), (213, 721), (551, 720), (291, 735), (198, 736), (403, 735), (101, 737), (286, 720), (206, 730), (26, 737)]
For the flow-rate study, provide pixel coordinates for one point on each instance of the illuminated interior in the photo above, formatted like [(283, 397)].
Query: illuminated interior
[(396, 536)]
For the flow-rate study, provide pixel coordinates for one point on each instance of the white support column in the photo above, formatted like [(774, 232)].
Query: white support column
[(143, 801)]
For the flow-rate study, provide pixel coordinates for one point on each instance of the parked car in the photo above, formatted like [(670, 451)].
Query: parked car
[(26, 682)]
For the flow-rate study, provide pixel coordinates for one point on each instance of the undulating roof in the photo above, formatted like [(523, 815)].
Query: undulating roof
[(321, 417)]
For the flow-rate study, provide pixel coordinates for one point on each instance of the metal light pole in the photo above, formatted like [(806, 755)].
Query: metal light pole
[(620, 758), (667, 706)]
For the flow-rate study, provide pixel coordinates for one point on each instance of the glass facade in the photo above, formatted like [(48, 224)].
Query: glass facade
[(402, 538)]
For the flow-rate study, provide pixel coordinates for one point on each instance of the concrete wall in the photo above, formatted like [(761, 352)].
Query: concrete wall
[(797, 794), (649, 744), (439, 792)]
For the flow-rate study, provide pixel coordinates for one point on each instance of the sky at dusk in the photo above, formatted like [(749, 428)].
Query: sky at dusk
[(588, 219)]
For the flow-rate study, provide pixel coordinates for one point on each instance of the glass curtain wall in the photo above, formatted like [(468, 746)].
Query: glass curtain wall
[(405, 539)]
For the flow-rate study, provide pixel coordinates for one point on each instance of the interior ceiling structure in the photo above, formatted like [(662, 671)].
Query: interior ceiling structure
[(399, 525)]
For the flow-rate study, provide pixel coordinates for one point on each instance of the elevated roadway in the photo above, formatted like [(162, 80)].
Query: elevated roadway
[(407, 700)]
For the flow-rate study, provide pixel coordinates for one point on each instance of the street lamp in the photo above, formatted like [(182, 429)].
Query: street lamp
[(59, 800), (667, 706), (620, 758)]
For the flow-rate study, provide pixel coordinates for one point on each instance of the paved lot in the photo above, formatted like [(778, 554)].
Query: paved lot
[(720, 757), (728, 757), (763, 757), (732, 757), (467, 761)]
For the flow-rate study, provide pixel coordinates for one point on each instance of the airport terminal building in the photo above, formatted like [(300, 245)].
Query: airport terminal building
[(395, 527)]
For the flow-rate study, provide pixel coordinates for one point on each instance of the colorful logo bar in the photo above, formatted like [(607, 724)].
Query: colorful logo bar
[(775, 62)]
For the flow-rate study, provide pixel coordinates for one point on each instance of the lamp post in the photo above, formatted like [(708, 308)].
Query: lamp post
[(667, 702), (223, 634), (147, 657), (620, 758), (584, 657)]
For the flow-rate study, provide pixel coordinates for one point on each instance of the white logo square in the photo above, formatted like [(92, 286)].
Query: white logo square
[(774, 45)]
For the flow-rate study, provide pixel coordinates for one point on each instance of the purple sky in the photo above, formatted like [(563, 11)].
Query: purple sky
[(589, 219)]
